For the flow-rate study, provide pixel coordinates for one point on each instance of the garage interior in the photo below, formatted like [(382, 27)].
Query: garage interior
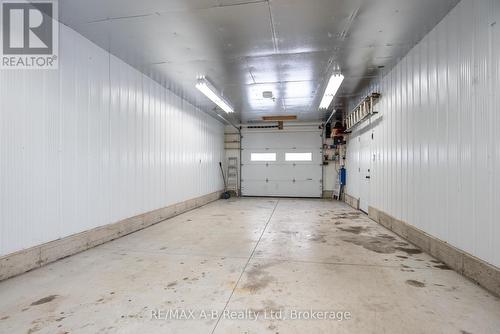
[(251, 166)]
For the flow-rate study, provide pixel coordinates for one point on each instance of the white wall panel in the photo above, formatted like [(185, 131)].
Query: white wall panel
[(93, 143), (437, 137)]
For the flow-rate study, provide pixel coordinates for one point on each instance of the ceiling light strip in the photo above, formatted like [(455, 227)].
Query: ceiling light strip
[(331, 90), (204, 86)]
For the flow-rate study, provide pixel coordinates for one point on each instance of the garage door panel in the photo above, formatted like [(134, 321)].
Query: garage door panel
[(277, 172), (295, 169), (282, 189)]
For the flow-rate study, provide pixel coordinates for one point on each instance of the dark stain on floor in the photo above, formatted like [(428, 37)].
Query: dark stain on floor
[(443, 267), (414, 283), (4, 318), (44, 300), (353, 229), (407, 269), (258, 278), (350, 215), (409, 251), (374, 244), (382, 243), (387, 237), (290, 232), (321, 238)]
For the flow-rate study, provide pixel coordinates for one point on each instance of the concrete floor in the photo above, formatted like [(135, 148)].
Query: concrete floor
[(255, 255)]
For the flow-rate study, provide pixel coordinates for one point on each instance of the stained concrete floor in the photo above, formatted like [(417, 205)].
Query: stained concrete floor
[(265, 256)]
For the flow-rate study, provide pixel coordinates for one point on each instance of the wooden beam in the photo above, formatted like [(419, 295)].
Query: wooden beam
[(279, 118)]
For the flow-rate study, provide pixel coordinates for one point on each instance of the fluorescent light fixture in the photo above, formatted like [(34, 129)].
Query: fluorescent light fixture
[(331, 90), (209, 90)]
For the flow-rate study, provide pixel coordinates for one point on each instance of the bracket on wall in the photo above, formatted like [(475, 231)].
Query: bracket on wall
[(362, 111)]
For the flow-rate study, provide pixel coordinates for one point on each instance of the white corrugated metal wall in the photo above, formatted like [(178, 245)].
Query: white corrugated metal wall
[(437, 138), (94, 143)]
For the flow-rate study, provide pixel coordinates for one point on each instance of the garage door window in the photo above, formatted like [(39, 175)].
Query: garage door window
[(298, 156), (264, 157)]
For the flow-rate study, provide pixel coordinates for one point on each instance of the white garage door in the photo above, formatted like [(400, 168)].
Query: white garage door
[(286, 163)]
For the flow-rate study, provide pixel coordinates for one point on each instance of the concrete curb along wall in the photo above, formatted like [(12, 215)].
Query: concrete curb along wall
[(480, 272), (352, 201), (20, 262)]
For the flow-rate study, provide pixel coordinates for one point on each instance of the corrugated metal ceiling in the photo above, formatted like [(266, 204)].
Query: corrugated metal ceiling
[(288, 47)]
